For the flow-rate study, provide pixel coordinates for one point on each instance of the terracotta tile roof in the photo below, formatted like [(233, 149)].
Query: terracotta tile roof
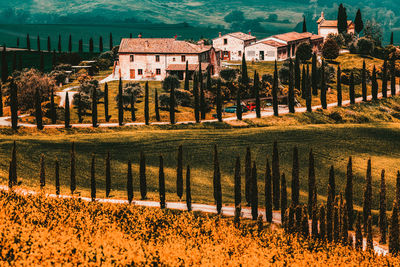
[(293, 36), (182, 67), (160, 46), (332, 23), (273, 43), (242, 36)]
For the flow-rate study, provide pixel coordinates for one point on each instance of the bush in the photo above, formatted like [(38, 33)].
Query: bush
[(267, 78), (338, 38), (183, 98), (284, 72), (164, 101), (229, 75), (304, 52), (365, 46), (58, 76), (109, 55), (330, 49), (357, 76)]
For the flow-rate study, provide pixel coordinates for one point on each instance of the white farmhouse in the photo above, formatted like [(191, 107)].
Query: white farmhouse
[(326, 27), (155, 58), (232, 45)]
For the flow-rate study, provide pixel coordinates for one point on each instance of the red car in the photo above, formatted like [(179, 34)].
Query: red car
[(251, 106)]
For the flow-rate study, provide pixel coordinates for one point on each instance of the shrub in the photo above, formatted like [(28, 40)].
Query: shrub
[(357, 76), (330, 49), (304, 52), (229, 75), (183, 98), (365, 46)]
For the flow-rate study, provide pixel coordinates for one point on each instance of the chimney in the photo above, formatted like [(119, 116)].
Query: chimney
[(322, 15), (201, 43), (176, 36), (146, 44), (249, 32), (220, 34), (140, 35)]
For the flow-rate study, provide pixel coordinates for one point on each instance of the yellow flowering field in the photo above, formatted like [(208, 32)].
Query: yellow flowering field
[(38, 230)]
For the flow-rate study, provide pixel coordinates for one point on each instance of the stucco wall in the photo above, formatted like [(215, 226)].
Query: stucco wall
[(253, 52), (234, 46)]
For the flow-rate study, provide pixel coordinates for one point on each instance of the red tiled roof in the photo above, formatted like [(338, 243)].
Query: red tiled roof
[(292, 36), (242, 36), (273, 43), (160, 46), (182, 67), (332, 23)]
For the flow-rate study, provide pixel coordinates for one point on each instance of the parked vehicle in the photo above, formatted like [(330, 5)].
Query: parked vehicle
[(251, 106), (232, 109)]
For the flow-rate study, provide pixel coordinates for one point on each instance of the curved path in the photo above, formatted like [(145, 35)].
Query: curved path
[(228, 211)]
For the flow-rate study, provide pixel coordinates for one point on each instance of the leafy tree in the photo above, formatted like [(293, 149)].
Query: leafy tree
[(108, 174), (304, 83), (391, 38), (364, 82), (38, 110), (304, 52), (365, 46), (156, 109), (342, 19), (384, 79), (275, 176), (172, 105), (268, 193), (295, 178), (93, 179), (73, 170), (283, 197), (57, 177), (291, 89), (330, 49), (188, 190), (120, 104), (217, 181), (80, 46), (238, 184), (161, 183), (129, 185), (351, 89), (367, 197), (373, 31), (133, 109), (179, 173), (382, 209), (370, 244), (146, 104), (67, 112), (358, 22), (275, 91)]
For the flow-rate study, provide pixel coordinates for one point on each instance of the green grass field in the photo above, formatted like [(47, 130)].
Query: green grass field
[(332, 145)]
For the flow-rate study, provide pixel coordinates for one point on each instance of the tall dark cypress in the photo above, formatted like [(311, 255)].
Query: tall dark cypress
[(323, 86), (268, 193), (17, 42), (330, 205), (257, 94), (53, 111), (196, 97), (305, 225), (14, 62), (72, 170), (188, 190), (374, 85), (156, 109), (364, 82), (393, 76), (245, 76), (254, 192), (108, 174), (304, 83), (80, 46), (314, 222), (67, 112), (314, 75), (142, 176), (219, 102), (54, 60), (57, 177), (348, 193), (309, 91), (13, 165), (394, 243), (238, 184), (120, 106), (38, 43), (367, 197), (358, 22), (304, 24), (312, 194), (295, 177), (129, 184), (172, 104), (111, 42), (93, 179), (275, 91), (42, 174), (14, 104), (351, 89), (28, 42), (359, 236), (59, 44), (336, 222), (391, 38), (382, 209), (275, 176), (283, 198), (339, 86), (238, 104), (179, 173), (187, 77), (322, 223), (291, 89), (398, 188), (1, 100), (217, 181), (133, 109), (4, 65), (344, 227), (370, 244), (384, 79), (48, 44), (41, 64), (161, 183), (247, 177), (342, 19), (297, 74), (70, 44), (107, 117), (91, 45), (94, 107), (101, 48), (38, 110), (146, 104)]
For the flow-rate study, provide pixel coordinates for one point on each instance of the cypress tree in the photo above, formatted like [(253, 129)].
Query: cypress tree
[(275, 176), (314, 222), (93, 179), (384, 79), (54, 60), (111, 42), (80, 48), (14, 105), (161, 183), (254, 192), (304, 24), (342, 19), (391, 38), (48, 44), (275, 91), (42, 174), (188, 190), (4, 65), (219, 101), (268, 193), (351, 89), (108, 174), (59, 44), (238, 184), (196, 97), (172, 105), (305, 225), (187, 78), (308, 89), (17, 42), (80, 108), (238, 104), (142, 176), (370, 244), (257, 94), (295, 178), (398, 188), (107, 117), (1, 100), (67, 111), (394, 245), (14, 62), (53, 112), (217, 181), (330, 204), (322, 223), (146, 104), (133, 111), (290, 222), (364, 82), (323, 86), (358, 22), (304, 83), (179, 173), (156, 109), (94, 107), (283, 197), (70, 44), (101, 48), (28, 42), (297, 74), (348, 193), (291, 89), (299, 219), (393, 76), (202, 97), (248, 173), (20, 65), (38, 110), (38, 43), (344, 227), (359, 236), (91, 46), (374, 85), (13, 165), (129, 185), (312, 193), (57, 175), (367, 197), (339, 86), (120, 106), (382, 209), (314, 78), (73, 171), (244, 77), (41, 65), (336, 223)]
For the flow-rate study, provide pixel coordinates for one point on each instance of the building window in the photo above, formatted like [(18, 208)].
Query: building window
[(132, 58), (183, 58), (240, 53), (140, 72), (158, 71), (225, 41), (157, 58), (173, 59)]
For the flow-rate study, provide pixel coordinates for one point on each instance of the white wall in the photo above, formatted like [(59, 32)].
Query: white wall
[(234, 46), (253, 52)]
